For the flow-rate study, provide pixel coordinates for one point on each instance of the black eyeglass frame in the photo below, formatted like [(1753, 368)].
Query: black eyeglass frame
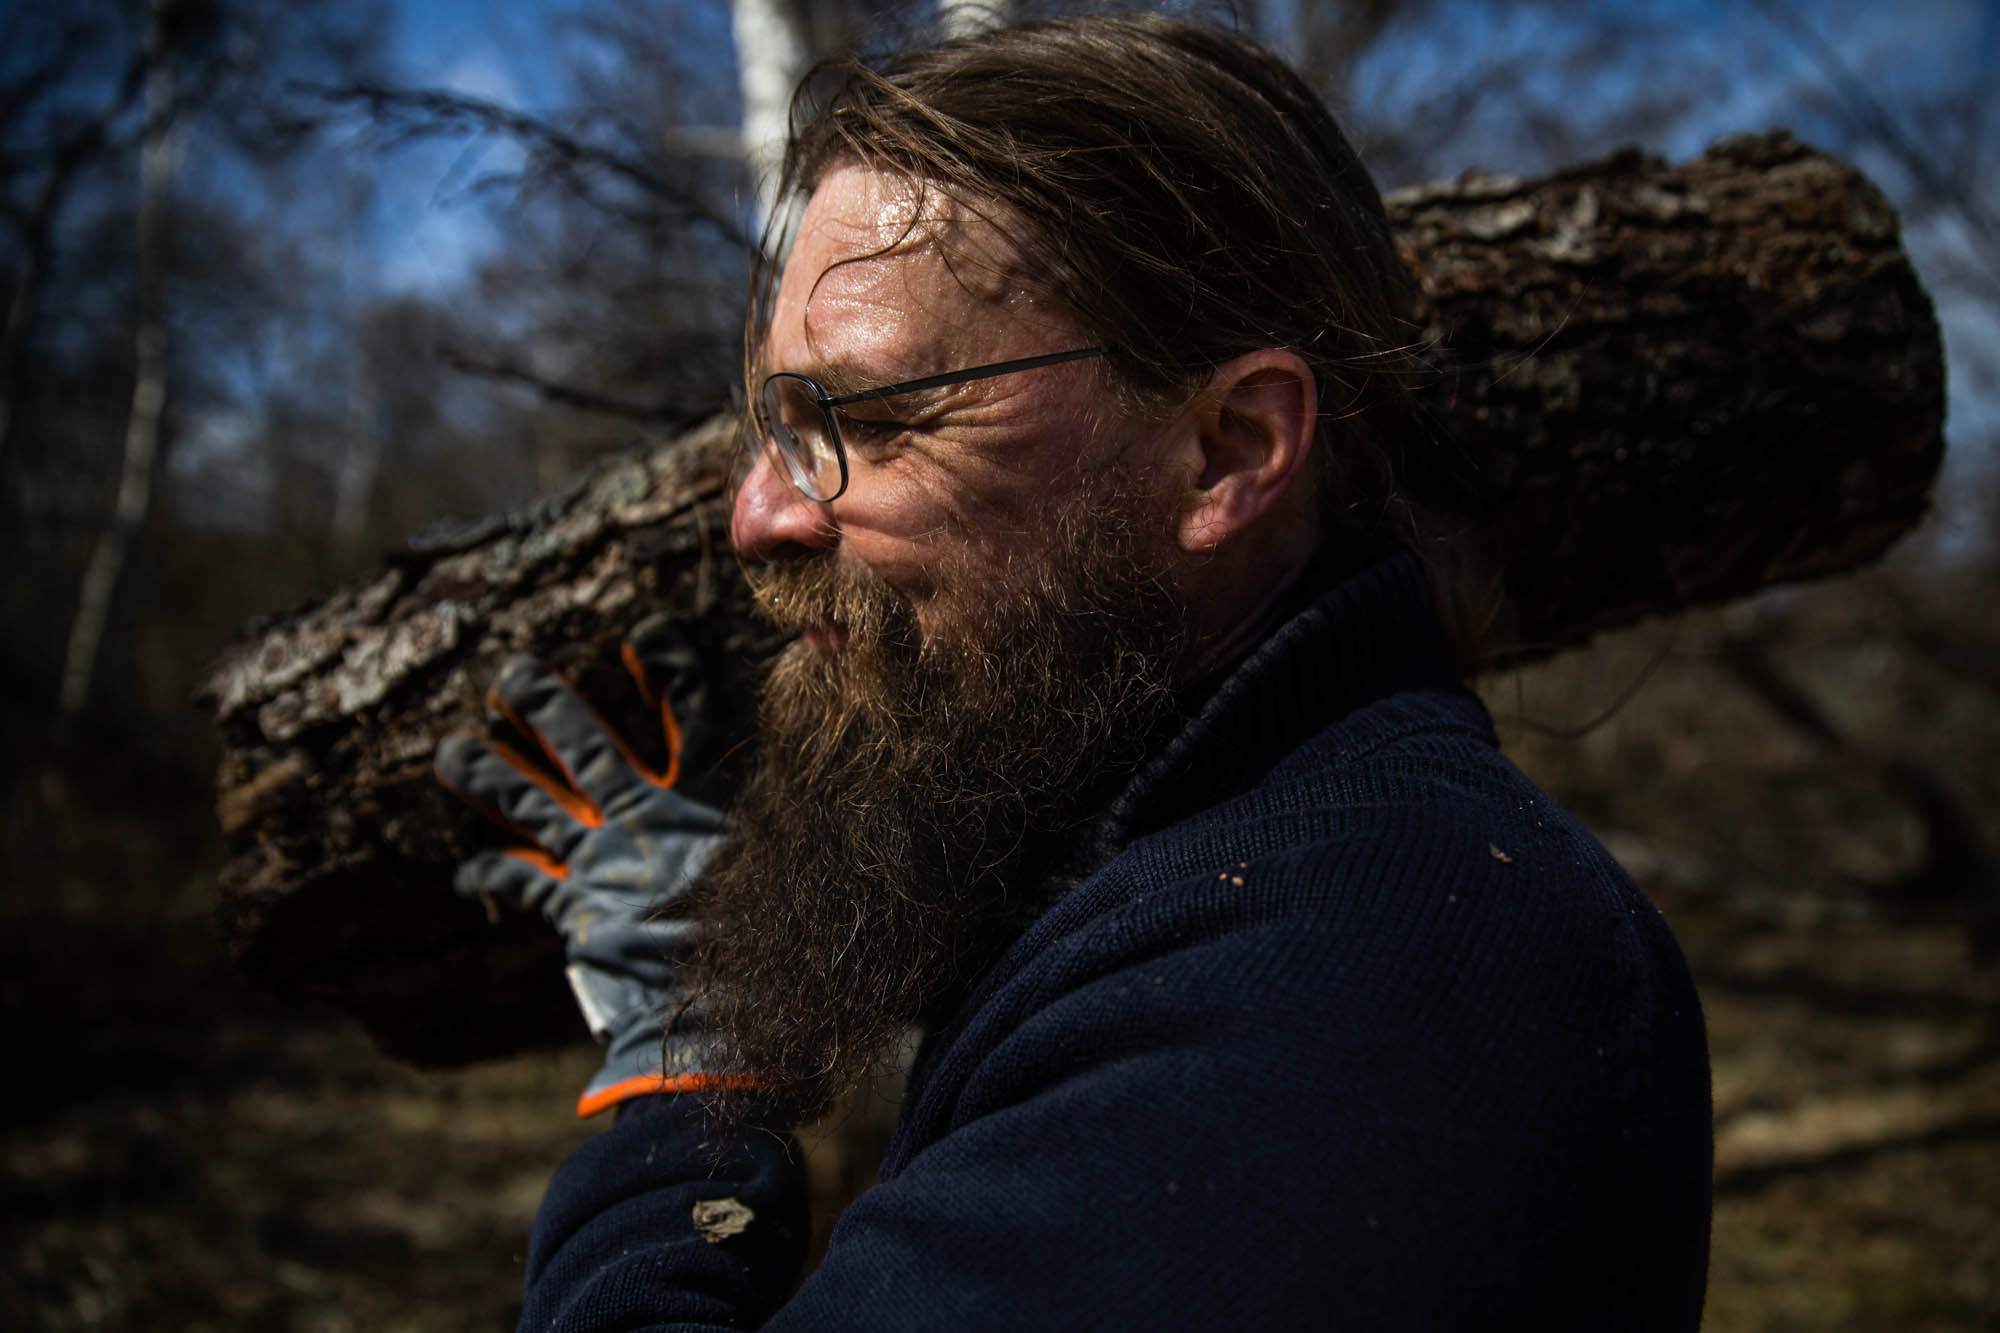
[(794, 457)]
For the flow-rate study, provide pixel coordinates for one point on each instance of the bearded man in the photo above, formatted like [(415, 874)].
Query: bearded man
[(1122, 750)]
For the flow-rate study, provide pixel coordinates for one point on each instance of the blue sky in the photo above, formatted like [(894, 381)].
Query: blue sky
[(1736, 68), (474, 48), (483, 47)]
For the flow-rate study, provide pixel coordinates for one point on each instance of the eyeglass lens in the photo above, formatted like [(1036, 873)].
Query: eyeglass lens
[(797, 428)]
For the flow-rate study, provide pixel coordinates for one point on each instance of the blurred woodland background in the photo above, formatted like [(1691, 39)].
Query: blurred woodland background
[(285, 283)]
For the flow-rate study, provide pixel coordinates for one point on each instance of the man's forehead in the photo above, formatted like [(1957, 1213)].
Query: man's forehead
[(877, 249), (858, 211)]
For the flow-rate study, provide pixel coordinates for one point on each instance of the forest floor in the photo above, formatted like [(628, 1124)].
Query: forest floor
[(181, 1152)]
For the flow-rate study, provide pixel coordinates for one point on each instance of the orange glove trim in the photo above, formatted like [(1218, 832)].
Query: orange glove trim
[(493, 816), (669, 727), (646, 1085), (540, 860), (570, 797), (580, 807)]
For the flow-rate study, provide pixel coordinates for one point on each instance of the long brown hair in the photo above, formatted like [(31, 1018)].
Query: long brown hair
[(1189, 198)]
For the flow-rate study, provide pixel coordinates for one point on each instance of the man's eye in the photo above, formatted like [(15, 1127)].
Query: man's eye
[(870, 430)]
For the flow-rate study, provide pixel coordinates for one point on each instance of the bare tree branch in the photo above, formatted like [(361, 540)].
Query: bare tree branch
[(433, 113), (676, 416)]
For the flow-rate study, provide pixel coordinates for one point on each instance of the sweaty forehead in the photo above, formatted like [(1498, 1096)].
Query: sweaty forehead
[(885, 275)]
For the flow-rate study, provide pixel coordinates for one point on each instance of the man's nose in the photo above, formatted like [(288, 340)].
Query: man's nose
[(773, 521)]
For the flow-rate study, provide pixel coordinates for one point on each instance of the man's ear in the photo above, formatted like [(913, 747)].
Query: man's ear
[(1253, 429)]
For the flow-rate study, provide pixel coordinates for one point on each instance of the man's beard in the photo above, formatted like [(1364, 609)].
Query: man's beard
[(914, 790)]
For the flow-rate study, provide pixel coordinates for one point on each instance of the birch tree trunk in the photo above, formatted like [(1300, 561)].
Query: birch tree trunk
[(134, 501), (771, 56), (962, 18)]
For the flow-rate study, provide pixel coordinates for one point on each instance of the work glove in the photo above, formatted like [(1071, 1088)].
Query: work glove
[(607, 850)]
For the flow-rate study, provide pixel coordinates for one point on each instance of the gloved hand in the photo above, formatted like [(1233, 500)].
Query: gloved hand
[(610, 848)]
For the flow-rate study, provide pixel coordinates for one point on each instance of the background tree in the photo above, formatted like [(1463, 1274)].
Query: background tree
[(167, 33), (139, 142)]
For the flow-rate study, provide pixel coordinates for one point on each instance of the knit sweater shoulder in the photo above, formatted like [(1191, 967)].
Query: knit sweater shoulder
[(1353, 1027)]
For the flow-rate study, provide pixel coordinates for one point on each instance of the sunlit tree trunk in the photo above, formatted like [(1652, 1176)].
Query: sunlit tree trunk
[(961, 18), (149, 390), (771, 51)]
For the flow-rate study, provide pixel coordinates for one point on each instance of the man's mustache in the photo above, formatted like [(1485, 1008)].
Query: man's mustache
[(816, 590)]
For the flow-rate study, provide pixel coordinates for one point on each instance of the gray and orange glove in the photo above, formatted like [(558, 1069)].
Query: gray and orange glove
[(606, 851)]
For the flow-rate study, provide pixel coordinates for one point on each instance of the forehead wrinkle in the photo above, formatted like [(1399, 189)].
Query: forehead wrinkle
[(840, 241), (861, 297), (872, 249), (908, 271)]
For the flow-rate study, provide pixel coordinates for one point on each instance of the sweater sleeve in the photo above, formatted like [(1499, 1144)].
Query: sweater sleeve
[(652, 1225)]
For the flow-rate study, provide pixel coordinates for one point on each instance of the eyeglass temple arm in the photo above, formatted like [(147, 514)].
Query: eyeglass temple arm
[(961, 376)]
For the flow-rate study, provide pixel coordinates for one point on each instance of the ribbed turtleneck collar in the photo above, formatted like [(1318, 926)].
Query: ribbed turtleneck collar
[(1369, 635)]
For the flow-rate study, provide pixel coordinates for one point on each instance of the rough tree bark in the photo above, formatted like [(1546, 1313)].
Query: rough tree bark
[(1699, 381), (1703, 380)]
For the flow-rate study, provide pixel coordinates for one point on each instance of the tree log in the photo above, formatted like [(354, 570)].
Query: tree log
[(1701, 381)]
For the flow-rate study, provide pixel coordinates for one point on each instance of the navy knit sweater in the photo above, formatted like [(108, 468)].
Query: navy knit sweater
[(1354, 1029)]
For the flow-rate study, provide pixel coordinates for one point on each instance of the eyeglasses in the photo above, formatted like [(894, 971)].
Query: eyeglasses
[(802, 420)]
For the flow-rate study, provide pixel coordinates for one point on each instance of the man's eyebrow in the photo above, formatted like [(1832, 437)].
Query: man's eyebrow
[(843, 377), (839, 377)]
